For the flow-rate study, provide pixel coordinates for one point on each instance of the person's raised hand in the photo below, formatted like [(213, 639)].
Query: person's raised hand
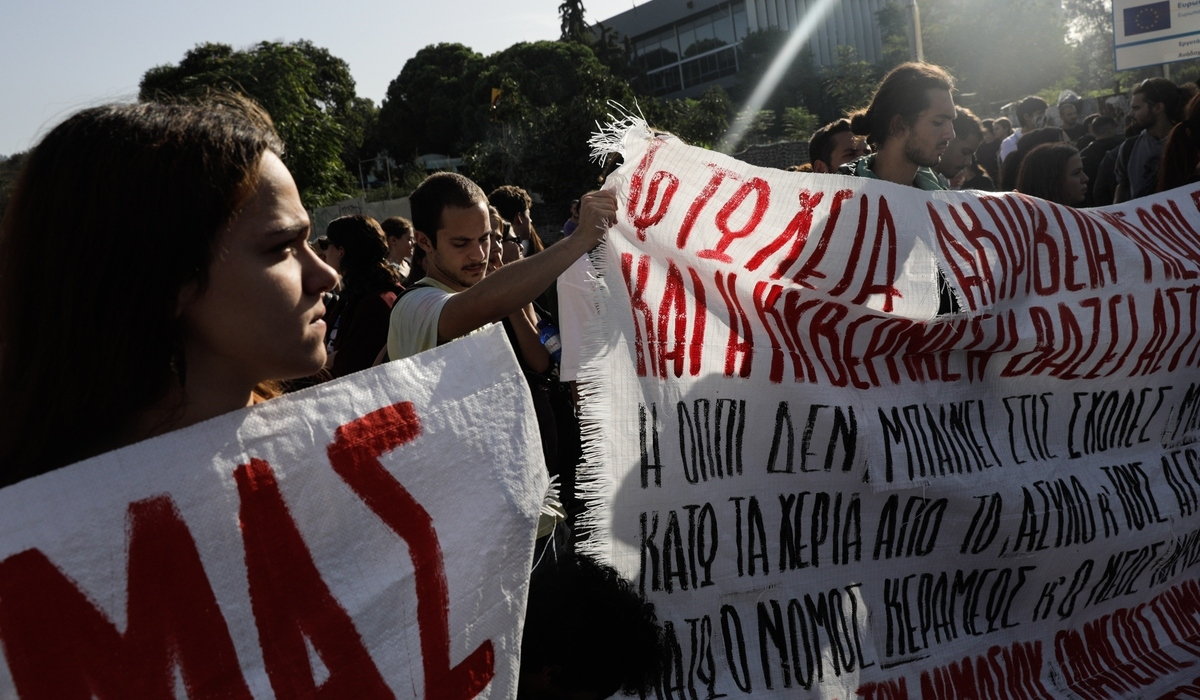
[(597, 212)]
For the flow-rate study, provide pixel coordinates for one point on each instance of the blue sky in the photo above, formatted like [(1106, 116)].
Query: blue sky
[(59, 56)]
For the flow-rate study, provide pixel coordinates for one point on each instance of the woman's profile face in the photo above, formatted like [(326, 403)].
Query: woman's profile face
[(259, 317), (1077, 180)]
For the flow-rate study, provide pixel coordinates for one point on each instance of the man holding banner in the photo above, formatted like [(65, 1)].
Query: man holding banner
[(909, 123), (830, 490), (450, 218)]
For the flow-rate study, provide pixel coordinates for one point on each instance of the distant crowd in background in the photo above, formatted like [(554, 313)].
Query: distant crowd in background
[(1087, 160), (236, 305)]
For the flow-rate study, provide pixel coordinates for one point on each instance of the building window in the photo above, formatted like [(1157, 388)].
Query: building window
[(705, 45), (709, 67), (664, 82), (657, 51)]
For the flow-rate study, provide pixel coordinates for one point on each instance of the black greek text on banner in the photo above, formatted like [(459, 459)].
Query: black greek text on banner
[(829, 489)]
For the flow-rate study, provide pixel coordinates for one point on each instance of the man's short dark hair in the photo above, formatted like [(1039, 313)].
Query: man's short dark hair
[(396, 227), (820, 146), (986, 124), (510, 201), (593, 627), (966, 123), (904, 92), (1102, 123), (437, 192), (1164, 92), (1029, 106)]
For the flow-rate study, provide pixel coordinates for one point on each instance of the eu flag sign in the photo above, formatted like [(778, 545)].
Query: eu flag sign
[(1151, 17)]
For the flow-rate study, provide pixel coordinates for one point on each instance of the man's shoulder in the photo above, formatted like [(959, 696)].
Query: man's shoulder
[(419, 294), (859, 167), (1097, 148)]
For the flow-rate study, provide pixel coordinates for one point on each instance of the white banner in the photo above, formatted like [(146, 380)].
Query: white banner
[(367, 538), (828, 489)]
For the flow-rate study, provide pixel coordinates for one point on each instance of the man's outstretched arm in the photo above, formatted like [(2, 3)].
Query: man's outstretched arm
[(517, 284)]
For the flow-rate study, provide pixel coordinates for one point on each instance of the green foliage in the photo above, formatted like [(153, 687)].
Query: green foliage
[(553, 93), (1090, 25), (700, 122), (574, 28), (801, 85), (799, 124), (307, 91), (852, 82), (998, 51), (893, 28), (615, 52), (761, 129), (424, 109)]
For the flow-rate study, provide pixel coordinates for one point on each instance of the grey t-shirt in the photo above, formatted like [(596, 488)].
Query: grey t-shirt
[(1140, 177)]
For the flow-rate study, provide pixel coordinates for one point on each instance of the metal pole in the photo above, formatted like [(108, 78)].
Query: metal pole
[(916, 49)]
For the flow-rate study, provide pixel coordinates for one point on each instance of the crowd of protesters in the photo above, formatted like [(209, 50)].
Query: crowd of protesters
[(1084, 162), (235, 306)]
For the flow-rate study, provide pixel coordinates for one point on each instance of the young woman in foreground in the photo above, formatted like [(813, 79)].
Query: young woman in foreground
[(154, 273)]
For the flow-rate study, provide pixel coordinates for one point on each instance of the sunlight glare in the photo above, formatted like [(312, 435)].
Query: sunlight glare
[(770, 80)]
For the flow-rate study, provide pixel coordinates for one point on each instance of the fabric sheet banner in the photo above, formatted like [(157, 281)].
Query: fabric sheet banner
[(367, 538), (831, 491)]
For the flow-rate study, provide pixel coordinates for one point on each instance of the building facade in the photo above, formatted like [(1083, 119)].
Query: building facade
[(686, 46)]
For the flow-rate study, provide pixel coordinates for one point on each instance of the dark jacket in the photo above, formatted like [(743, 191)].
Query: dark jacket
[(1102, 185), (358, 329)]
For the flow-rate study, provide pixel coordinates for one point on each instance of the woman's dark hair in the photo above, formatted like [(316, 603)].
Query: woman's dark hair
[(903, 93), (1044, 172), (115, 212), (1182, 151), (364, 264), (1028, 141), (416, 267)]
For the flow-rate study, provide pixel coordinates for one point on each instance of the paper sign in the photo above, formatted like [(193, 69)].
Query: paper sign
[(366, 538)]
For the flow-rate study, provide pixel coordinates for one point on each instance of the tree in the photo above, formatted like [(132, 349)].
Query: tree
[(893, 29), (761, 129), (999, 52), (574, 28), (307, 91), (551, 96), (1089, 23), (700, 122), (801, 85), (799, 124), (852, 82), (425, 105)]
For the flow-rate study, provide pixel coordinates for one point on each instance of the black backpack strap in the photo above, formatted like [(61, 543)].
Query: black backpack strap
[(400, 296)]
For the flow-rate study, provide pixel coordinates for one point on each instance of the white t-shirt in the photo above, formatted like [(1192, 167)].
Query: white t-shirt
[(414, 321), (1008, 145)]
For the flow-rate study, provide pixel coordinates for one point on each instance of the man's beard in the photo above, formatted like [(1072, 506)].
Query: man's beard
[(914, 155)]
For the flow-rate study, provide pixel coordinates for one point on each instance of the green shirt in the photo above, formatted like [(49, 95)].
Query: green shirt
[(926, 179)]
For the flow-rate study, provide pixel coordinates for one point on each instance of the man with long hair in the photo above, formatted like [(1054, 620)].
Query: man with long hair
[(1157, 106), (909, 124)]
